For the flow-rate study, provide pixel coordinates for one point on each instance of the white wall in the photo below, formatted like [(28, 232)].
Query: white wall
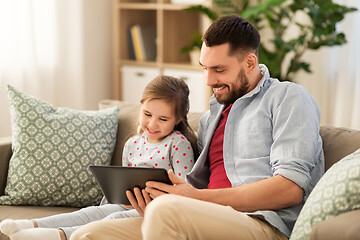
[(77, 70)]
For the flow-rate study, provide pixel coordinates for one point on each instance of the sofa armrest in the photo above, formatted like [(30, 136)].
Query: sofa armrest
[(5, 155), (344, 226)]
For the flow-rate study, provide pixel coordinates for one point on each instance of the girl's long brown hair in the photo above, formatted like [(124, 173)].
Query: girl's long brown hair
[(176, 91)]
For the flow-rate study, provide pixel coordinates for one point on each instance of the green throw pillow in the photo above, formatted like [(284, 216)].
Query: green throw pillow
[(52, 151), (338, 191)]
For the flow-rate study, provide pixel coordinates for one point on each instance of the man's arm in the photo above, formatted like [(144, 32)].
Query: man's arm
[(270, 194)]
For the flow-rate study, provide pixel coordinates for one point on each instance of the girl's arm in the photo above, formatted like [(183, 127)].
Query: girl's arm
[(182, 156)]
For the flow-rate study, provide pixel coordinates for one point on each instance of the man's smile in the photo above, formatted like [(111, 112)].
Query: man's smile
[(218, 90)]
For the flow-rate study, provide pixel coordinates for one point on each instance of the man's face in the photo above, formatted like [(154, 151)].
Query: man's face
[(225, 74)]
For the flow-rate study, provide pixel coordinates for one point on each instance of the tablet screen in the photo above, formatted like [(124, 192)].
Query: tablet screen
[(115, 180)]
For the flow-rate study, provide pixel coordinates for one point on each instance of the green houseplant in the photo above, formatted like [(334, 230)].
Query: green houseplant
[(193, 49), (195, 40), (195, 43), (312, 24)]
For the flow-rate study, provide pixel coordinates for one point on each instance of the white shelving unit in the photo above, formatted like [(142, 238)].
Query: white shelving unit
[(173, 30)]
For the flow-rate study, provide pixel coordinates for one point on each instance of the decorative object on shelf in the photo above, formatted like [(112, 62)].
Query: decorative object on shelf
[(195, 41), (282, 53), (188, 1), (194, 56), (194, 48)]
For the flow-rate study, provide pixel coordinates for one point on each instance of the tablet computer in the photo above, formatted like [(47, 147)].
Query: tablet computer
[(115, 180)]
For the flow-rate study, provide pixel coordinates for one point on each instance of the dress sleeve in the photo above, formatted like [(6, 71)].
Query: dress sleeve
[(181, 156), (125, 155)]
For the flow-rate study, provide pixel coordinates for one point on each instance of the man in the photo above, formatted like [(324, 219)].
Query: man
[(261, 154)]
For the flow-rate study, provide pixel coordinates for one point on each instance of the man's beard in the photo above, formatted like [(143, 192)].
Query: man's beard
[(241, 87)]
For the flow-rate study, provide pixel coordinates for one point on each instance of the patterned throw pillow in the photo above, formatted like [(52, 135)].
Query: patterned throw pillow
[(338, 191), (52, 150)]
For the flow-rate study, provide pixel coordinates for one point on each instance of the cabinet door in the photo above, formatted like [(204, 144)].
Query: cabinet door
[(199, 95), (134, 79)]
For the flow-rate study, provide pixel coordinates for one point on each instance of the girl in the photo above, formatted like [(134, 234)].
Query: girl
[(165, 141)]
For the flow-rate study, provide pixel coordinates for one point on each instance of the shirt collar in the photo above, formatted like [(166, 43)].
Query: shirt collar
[(266, 75)]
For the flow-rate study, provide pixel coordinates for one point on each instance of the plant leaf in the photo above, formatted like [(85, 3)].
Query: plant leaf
[(260, 8), (205, 10)]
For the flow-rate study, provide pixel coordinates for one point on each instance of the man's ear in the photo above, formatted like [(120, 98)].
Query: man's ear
[(251, 62)]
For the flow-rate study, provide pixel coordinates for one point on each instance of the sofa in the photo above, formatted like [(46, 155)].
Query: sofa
[(337, 143)]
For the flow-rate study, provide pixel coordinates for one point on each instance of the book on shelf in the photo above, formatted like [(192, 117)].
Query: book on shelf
[(143, 42), (131, 45), (136, 42)]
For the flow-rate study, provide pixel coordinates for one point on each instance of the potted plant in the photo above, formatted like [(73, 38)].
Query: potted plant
[(282, 54), (193, 49)]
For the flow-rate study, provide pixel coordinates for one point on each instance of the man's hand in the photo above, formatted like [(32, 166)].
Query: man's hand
[(179, 187), (140, 199)]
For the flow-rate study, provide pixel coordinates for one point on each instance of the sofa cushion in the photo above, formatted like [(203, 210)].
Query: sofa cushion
[(338, 143), (29, 212), (52, 149), (344, 226), (337, 192)]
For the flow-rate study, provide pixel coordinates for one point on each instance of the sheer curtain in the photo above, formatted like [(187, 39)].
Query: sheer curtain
[(347, 105), (57, 50), (335, 81)]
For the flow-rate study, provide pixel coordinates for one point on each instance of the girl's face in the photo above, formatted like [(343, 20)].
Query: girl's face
[(157, 119)]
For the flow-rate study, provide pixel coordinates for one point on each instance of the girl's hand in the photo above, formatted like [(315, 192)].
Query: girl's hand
[(139, 200), (179, 187)]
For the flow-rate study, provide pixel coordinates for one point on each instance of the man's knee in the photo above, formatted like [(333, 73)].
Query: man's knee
[(166, 215), (169, 209), (87, 232), (164, 205)]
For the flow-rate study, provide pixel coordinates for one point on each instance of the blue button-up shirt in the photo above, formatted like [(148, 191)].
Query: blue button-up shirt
[(273, 129)]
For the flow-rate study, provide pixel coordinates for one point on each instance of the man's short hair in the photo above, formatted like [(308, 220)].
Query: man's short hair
[(242, 36)]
